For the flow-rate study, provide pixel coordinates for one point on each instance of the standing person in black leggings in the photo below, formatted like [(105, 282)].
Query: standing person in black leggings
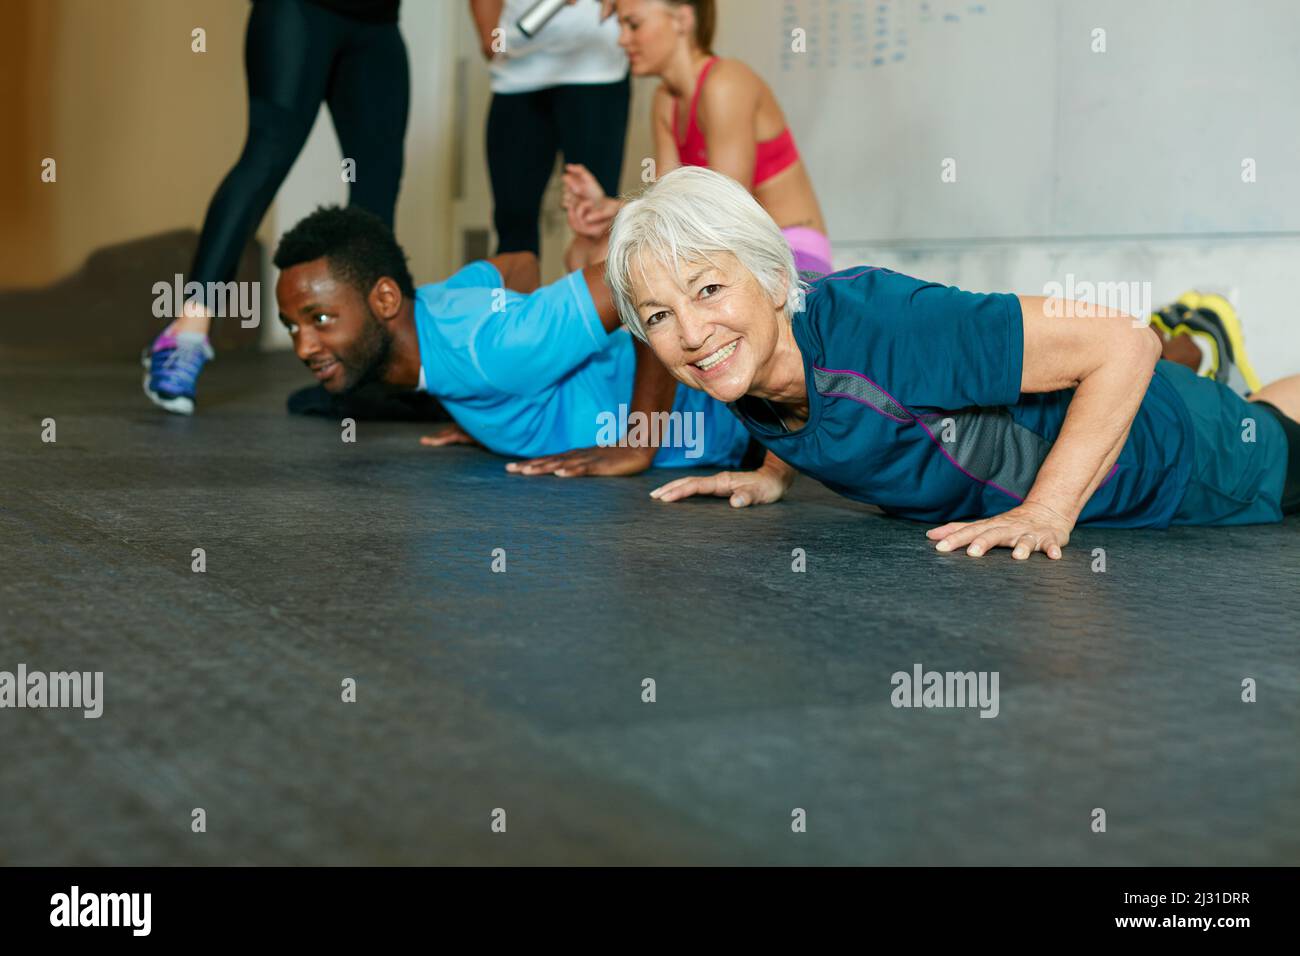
[(348, 54), (564, 90)]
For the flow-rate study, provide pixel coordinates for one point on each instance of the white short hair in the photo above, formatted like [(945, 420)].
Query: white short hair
[(690, 215)]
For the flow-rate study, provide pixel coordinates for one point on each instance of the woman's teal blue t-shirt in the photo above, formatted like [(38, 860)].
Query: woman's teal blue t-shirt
[(915, 406)]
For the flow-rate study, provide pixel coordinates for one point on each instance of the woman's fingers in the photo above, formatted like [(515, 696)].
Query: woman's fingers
[(981, 537), (945, 530), (448, 436), (988, 539), (719, 484), (1031, 541), (961, 536), (1026, 545), (663, 492), (677, 490), (967, 535), (755, 491), (744, 488)]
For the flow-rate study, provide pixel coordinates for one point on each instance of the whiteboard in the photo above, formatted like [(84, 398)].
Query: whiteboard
[(1049, 136)]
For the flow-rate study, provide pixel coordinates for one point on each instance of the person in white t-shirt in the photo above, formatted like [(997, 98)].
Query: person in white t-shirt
[(564, 90)]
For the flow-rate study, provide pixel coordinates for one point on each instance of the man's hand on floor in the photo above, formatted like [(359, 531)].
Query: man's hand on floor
[(592, 462), (453, 434)]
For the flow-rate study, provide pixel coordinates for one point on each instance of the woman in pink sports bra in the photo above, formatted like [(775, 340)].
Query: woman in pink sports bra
[(708, 111)]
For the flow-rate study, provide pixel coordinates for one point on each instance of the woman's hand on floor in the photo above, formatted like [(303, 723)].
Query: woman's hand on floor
[(744, 488), (592, 462), (453, 434), (1026, 528)]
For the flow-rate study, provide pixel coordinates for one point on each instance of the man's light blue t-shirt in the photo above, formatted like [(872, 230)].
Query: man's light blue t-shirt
[(537, 374)]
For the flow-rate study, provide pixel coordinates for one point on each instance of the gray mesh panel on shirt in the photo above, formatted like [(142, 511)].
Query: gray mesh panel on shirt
[(991, 446), (859, 388)]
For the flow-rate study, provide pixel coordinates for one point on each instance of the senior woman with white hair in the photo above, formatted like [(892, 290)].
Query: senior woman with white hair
[(983, 414)]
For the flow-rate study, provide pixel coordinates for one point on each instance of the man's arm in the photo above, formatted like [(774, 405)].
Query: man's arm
[(594, 275), (520, 271), (653, 390)]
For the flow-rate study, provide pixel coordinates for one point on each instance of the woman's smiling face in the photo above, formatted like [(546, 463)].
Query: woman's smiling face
[(712, 324)]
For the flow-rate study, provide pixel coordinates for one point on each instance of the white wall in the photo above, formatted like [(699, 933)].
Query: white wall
[(1103, 165), (1254, 273), (1057, 117)]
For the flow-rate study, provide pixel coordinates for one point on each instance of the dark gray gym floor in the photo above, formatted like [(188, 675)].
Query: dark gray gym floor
[(522, 690)]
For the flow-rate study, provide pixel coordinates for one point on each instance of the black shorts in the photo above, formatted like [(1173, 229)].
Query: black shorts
[(1291, 490)]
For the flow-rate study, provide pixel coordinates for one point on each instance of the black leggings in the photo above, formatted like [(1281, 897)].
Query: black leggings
[(1291, 487), (586, 122), (297, 55)]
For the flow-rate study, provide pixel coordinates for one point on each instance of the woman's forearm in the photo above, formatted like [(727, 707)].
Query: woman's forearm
[(487, 15), (1096, 426), (779, 468)]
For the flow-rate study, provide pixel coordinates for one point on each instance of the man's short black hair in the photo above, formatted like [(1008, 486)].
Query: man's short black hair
[(360, 248)]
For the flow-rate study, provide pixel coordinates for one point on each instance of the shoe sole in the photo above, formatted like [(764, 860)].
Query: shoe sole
[(178, 405), (1227, 315)]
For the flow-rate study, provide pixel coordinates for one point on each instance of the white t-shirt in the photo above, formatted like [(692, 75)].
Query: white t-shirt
[(574, 47)]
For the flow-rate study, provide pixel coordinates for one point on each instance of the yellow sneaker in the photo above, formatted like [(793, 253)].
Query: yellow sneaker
[(1215, 308)]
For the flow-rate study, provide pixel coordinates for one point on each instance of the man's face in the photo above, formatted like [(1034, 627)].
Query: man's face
[(711, 324), (334, 331)]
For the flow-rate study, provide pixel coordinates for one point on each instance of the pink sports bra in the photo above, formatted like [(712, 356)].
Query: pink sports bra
[(774, 155)]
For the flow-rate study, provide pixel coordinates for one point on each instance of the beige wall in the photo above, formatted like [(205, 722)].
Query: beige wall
[(24, 45), (142, 129)]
